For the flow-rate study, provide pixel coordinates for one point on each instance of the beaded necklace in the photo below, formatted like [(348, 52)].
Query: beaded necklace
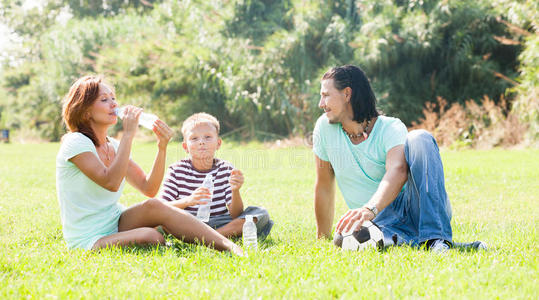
[(364, 134)]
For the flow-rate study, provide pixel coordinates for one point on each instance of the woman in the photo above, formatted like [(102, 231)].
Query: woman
[(90, 173)]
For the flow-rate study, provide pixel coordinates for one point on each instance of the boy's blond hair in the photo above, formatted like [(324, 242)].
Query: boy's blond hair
[(197, 119)]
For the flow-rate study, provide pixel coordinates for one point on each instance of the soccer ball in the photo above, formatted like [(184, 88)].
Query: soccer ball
[(368, 236)]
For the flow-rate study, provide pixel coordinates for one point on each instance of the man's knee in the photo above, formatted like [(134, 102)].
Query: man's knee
[(420, 140), (419, 136)]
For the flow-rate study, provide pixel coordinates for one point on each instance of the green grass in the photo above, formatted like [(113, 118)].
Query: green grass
[(494, 194)]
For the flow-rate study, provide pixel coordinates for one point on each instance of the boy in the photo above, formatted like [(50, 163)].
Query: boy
[(182, 186)]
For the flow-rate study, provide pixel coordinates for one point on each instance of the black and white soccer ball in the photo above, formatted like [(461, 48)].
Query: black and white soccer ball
[(367, 236)]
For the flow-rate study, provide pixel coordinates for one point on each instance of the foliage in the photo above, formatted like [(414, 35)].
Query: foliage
[(480, 126), (94, 8), (35, 263), (526, 105), (37, 88), (522, 22), (423, 51), (256, 64), (31, 21), (257, 19)]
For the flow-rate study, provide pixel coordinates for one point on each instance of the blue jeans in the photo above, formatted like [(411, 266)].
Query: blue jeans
[(422, 210)]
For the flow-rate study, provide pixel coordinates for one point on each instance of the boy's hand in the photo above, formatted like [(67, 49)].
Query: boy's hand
[(236, 179), (199, 196)]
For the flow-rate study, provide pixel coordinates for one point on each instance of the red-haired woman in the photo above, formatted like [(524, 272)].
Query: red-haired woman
[(91, 169)]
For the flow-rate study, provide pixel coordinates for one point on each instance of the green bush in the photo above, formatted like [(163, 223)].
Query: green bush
[(415, 53), (256, 64)]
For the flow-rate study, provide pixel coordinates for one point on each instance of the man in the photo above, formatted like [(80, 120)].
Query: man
[(385, 174)]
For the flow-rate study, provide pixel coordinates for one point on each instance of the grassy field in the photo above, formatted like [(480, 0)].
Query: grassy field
[(494, 194)]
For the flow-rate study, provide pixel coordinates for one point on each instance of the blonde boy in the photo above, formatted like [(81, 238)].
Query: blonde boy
[(182, 186)]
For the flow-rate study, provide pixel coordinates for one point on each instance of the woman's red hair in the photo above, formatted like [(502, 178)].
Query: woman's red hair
[(82, 94)]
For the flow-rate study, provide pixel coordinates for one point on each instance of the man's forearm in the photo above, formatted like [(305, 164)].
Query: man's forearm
[(394, 179), (324, 210), (324, 197), (389, 188)]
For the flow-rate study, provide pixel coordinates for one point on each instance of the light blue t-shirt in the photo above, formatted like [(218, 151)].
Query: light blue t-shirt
[(358, 168), (88, 211)]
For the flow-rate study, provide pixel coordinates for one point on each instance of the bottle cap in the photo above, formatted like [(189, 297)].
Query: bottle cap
[(249, 218)]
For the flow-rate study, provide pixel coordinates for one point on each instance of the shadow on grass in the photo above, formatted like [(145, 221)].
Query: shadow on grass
[(263, 244), (180, 247), (472, 247)]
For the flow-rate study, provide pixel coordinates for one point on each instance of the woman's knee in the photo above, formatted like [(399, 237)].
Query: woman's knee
[(153, 204), (150, 236)]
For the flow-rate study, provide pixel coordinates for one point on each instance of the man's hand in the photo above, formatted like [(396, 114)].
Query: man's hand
[(236, 179), (388, 189), (351, 217)]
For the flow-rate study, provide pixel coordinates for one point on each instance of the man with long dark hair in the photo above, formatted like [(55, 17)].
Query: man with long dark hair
[(385, 173)]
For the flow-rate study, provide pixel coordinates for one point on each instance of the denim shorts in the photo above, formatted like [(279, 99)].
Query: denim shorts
[(263, 224)]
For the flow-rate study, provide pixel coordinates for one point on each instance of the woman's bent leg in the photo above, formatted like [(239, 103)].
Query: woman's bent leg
[(145, 235), (182, 225)]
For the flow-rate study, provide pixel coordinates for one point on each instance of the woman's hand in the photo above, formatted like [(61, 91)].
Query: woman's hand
[(163, 133), (130, 119)]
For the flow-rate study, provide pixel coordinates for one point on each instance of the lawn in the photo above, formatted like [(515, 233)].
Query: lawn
[(494, 194)]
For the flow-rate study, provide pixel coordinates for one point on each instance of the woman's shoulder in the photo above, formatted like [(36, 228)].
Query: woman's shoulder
[(75, 138), (74, 143), (71, 136)]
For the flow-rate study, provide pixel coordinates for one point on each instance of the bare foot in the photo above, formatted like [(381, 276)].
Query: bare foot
[(237, 250)]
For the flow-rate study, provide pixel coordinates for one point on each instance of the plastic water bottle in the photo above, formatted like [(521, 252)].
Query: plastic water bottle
[(250, 241), (145, 119), (203, 213)]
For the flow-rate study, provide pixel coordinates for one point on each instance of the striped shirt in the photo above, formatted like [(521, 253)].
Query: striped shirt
[(183, 179)]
